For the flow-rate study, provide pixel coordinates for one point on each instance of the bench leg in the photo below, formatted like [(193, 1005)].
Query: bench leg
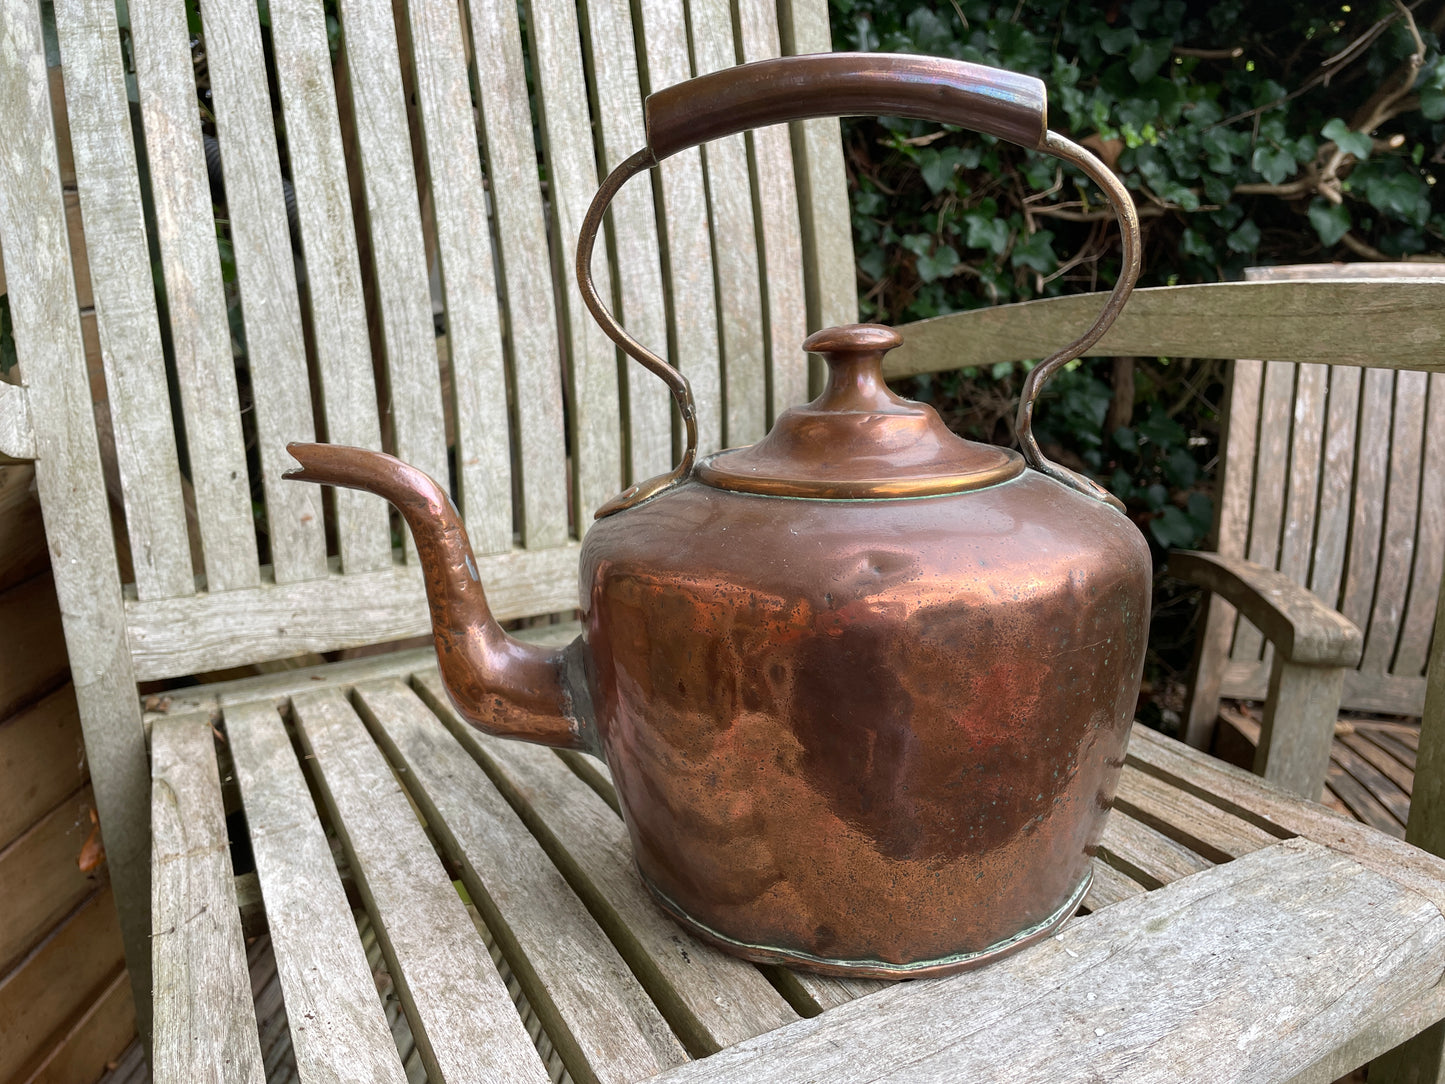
[(1299, 726)]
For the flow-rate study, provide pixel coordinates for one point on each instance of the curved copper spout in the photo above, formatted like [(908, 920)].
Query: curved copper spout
[(500, 685)]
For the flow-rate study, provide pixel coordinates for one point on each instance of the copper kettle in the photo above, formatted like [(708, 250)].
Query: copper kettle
[(864, 686)]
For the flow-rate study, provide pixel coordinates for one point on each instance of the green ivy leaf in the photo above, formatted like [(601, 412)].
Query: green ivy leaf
[(1273, 164), (1146, 58), (939, 264), (1432, 103), (1330, 220), (1116, 42), (1172, 529), (939, 166), (1356, 143), (1200, 509), (1191, 243), (1180, 470), (990, 234), (1399, 193), (1036, 252), (1244, 238)]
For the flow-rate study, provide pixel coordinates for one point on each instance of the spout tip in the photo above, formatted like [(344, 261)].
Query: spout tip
[(301, 452)]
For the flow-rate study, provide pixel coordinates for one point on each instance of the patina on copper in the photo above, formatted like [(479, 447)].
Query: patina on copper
[(864, 688)]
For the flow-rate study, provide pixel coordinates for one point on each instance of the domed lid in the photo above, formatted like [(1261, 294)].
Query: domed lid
[(859, 439)]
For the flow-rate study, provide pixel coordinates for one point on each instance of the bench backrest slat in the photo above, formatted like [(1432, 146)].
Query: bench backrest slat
[(333, 274), (200, 333), (403, 241), (1425, 574), (266, 276), (1331, 475), (125, 303)]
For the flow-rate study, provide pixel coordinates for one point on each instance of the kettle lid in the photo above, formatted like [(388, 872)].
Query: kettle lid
[(859, 439)]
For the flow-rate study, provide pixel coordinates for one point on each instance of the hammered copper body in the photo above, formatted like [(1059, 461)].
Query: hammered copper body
[(864, 687)]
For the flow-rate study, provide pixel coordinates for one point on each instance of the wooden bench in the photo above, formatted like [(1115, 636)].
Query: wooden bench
[(1320, 942), (1335, 479)]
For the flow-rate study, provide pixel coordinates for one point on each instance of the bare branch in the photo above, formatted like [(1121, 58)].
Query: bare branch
[(1209, 54), (1370, 252)]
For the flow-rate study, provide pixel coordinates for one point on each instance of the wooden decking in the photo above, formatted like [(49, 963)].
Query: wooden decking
[(1372, 763)]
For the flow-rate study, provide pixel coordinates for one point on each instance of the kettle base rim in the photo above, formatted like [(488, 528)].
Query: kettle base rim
[(872, 969)]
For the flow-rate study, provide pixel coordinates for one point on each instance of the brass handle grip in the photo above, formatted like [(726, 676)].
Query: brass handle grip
[(1007, 105), (1000, 103)]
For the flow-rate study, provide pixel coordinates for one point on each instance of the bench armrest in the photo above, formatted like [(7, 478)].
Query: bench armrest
[(1313, 646), (1302, 628)]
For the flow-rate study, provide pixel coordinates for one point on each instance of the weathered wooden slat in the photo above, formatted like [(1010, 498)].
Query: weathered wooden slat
[(1115, 995), (337, 1027), (1424, 1055), (1406, 434), (735, 247), (33, 664), (469, 286), (632, 224), (205, 1022), (41, 877), (1429, 550), (1302, 489), (170, 637), (816, 994), (1429, 541), (589, 1002), (1146, 855), (464, 1022), (1109, 887), (124, 297), (831, 281), (1383, 762), (566, 128), (710, 999), (1245, 379), (1281, 813), (1268, 490), (775, 194), (1372, 464), (266, 275), (1190, 821), (195, 295), (55, 981), (531, 314), (68, 472), (1362, 804), (1334, 323), (89, 1044), (17, 436), (333, 275), (1390, 694), (42, 754), (1332, 528), (1394, 746), (394, 223), (1379, 784), (693, 317), (22, 531)]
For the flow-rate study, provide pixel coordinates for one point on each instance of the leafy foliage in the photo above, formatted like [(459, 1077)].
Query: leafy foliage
[(1249, 134)]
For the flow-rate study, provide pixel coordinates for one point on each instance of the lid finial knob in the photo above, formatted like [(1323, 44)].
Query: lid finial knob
[(854, 353)]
